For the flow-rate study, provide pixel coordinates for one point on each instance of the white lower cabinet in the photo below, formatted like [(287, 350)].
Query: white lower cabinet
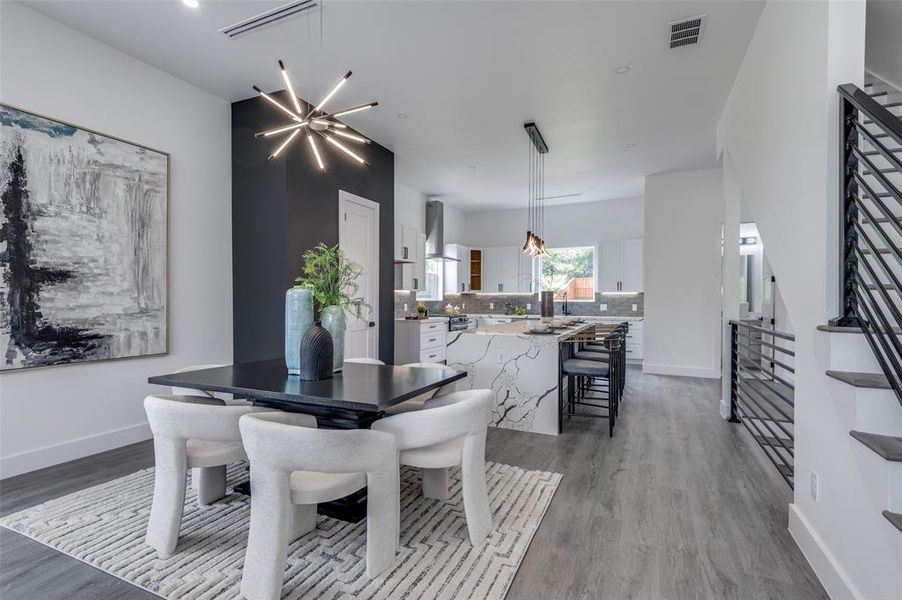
[(634, 346), (420, 340)]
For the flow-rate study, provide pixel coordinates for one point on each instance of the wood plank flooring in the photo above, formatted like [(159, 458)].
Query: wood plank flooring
[(679, 504)]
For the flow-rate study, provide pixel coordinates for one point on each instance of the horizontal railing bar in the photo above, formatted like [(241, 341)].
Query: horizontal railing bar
[(877, 201), (774, 377), (884, 356), (889, 154), (763, 432), (745, 398), (780, 349), (765, 427), (877, 112), (897, 347), (775, 347), (886, 183), (762, 396), (770, 359), (780, 334), (876, 254)]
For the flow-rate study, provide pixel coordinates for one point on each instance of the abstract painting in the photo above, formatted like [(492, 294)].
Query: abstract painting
[(83, 244)]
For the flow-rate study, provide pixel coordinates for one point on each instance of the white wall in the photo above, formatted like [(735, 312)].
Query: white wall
[(55, 414), (410, 209), (786, 169), (883, 54), (565, 225), (683, 216)]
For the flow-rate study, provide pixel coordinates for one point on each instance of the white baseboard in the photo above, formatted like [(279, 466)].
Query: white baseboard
[(653, 369), (831, 575), (47, 456)]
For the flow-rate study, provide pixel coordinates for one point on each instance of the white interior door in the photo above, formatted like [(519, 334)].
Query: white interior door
[(358, 236)]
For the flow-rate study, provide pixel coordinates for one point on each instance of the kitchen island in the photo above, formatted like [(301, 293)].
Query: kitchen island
[(520, 368)]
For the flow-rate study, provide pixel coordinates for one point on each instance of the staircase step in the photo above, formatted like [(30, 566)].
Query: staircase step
[(876, 381), (887, 446), (838, 329), (767, 440), (894, 518)]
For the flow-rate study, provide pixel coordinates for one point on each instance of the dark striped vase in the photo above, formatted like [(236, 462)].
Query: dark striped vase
[(316, 354)]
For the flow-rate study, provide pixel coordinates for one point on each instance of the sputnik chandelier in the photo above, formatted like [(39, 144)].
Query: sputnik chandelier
[(535, 213), (314, 122)]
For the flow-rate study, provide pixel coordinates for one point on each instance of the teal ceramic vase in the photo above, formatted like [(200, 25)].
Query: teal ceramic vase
[(334, 322), (298, 319)]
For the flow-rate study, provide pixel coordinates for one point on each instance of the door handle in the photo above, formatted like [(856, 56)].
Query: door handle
[(372, 323)]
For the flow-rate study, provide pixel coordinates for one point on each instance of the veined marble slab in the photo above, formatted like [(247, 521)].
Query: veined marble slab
[(521, 370)]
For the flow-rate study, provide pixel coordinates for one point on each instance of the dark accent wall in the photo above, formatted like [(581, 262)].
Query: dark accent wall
[(282, 207)]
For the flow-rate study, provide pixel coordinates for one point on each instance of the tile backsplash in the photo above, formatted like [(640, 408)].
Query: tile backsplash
[(620, 305)]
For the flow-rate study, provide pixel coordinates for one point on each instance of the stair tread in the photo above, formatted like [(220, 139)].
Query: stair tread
[(861, 380), (887, 446), (894, 518), (767, 440), (838, 329)]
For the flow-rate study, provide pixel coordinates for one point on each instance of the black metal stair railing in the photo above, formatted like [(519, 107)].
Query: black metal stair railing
[(871, 224), (762, 391)]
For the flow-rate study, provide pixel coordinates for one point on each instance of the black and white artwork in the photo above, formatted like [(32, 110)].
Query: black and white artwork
[(83, 254)]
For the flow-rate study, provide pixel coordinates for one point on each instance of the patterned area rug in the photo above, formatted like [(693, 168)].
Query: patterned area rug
[(104, 526)]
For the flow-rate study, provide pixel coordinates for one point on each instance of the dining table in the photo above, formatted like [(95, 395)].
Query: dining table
[(353, 398)]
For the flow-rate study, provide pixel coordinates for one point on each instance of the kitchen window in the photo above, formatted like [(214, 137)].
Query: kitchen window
[(433, 290), (569, 271)]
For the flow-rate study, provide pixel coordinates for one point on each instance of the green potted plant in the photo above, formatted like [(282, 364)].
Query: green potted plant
[(332, 278), (422, 311)]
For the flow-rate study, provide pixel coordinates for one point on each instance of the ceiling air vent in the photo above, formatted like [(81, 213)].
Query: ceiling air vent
[(686, 32), (270, 17)]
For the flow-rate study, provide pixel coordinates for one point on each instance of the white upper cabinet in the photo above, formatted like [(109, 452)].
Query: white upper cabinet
[(491, 270), (399, 243), (525, 282), (631, 279), (620, 266), (410, 245), (457, 273), (505, 271)]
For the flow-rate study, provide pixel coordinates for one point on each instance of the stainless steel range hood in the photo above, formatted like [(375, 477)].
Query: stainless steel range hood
[(435, 232)]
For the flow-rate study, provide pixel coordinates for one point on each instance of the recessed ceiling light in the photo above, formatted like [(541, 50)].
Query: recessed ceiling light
[(401, 115), (630, 146), (623, 69), (191, 3)]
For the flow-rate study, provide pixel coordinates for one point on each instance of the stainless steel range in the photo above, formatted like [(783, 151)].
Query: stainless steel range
[(458, 323)]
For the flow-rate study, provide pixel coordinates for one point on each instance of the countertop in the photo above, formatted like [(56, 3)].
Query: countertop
[(522, 326)]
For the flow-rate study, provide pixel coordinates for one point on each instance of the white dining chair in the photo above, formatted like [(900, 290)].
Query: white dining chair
[(449, 434), (189, 432), (365, 361), (420, 402), (227, 398), (295, 466)]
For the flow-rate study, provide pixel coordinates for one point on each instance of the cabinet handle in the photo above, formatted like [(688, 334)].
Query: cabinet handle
[(500, 287), (404, 252), (433, 339), (462, 287), (416, 283)]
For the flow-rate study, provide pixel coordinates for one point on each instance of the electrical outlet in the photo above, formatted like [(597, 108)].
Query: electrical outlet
[(815, 492), (635, 307), (405, 308), (463, 306), (491, 305), (528, 306), (602, 307)]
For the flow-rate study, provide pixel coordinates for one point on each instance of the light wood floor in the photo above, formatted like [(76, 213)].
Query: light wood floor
[(679, 504)]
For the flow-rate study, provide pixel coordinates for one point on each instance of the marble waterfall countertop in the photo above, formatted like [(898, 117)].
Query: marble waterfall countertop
[(523, 326)]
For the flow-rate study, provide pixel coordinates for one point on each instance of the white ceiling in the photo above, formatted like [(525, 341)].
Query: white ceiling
[(468, 75)]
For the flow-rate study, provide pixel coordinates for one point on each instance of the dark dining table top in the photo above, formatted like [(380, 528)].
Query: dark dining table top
[(358, 387)]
